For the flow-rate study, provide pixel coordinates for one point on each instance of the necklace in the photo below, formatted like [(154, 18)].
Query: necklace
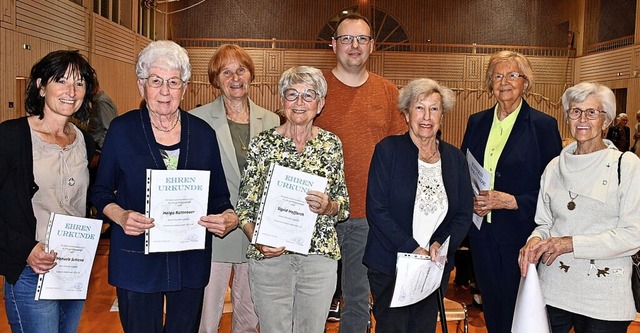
[(238, 134), (238, 117), (166, 130), (572, 205), (432, 155), (71, 181)]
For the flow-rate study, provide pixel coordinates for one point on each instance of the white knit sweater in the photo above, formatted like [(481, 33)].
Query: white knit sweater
[(595, 279)]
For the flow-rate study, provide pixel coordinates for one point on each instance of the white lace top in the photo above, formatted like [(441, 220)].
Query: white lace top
[(431, 202)]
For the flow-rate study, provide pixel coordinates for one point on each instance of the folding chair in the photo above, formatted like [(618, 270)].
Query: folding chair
[(452, 311)]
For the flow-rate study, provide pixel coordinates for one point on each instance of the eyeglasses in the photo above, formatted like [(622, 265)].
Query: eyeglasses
[(308, 95), (510, 77), (155, 81), (591, 114), (348, 39)]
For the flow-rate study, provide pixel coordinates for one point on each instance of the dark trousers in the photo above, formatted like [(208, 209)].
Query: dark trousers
[(143, 312), (419, 318), (498, 277), (561, 322)]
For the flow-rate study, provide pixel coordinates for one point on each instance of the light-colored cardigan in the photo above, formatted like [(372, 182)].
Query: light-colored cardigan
[(594, 280), (233, 247)]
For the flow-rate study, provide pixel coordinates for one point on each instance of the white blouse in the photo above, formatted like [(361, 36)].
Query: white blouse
[(431, 203)]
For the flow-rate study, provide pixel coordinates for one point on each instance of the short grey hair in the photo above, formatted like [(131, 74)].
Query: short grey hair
[(420, 88), (165, 54), (303, 75), (581, 91)]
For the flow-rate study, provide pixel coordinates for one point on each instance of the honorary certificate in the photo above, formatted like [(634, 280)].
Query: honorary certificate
[(176, 199), (480, 180), (75, 240), (417, 276), (284, 218)]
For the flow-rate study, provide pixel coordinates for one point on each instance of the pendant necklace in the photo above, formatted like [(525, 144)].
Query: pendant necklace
[(71, 181), (235, 130), (572, 205), (242, 145)]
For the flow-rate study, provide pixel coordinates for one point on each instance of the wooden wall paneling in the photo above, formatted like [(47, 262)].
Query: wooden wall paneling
[(58, 21), (551, 69), (199, 58), (141, 42), (375, 63), (274, 62), (113, 40), (17, 62), (7, 13), (117, 79), (473, 68), (321, 59), (633, 103), (604, 66), (635, 61), (439, 67), (7, 75), (199, 91)]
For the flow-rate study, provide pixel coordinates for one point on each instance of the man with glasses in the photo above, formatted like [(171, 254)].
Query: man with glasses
[(361, 108)]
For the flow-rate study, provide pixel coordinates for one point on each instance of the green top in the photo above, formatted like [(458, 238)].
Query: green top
[(498, 136), (321, 156)]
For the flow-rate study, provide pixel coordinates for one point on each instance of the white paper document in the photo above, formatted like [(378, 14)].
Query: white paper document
[(480, 181), (530, 315), (284, 218), (417, 276), (176, 199), (75, 240)]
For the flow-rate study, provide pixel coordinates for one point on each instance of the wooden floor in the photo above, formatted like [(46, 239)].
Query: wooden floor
[(97, 316)]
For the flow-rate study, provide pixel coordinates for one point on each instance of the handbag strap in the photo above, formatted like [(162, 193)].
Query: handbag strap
[(619, 164), (636, 257)]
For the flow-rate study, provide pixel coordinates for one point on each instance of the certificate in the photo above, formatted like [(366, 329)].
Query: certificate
[(480, 181), (284, 217), (75, 240), (176, 199), (417, 276)]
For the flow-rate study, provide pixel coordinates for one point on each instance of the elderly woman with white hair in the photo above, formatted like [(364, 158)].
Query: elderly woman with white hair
[(158, 136), (588, 226), (419, 194), (292, 292), (620, 133)]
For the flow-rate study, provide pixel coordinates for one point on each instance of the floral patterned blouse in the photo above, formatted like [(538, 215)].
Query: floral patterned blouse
[(321, 156)]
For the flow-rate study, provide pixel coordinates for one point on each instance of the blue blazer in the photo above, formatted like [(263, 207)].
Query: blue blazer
[(391, 195), (129, 149), (533, 142)]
